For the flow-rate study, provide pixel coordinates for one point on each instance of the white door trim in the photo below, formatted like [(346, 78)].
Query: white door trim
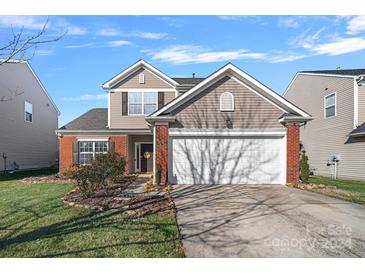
[(138, 144)]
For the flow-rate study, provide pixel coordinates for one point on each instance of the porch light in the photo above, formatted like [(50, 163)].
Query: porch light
[(229, 122)]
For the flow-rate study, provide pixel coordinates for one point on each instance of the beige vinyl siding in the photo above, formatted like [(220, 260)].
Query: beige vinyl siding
[(361, 102), (168, 97), (30, 145), (323, 137), (118, 121), (151, 81), (251, 110)]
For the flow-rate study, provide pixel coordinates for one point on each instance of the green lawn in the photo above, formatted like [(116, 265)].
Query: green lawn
[(34, 222), (349, 190)]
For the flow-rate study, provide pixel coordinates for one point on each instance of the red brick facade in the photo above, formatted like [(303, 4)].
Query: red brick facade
[(66, 143), (161, 150), (121, 147), (65, 161), (292, 154)]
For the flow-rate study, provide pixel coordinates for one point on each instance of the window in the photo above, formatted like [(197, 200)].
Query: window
[(141, 78), (142, 103), (28, 112), (227, 102), (330, 105), (89, 149), (149, 102)]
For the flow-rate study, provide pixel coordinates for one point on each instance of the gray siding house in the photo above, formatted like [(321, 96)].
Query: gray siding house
[(335, 139), (28, 119)]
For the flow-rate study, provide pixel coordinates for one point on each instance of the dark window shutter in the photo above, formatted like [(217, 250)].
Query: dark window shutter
[(124, 103), (75, 152), (161, 99), (111, 146)]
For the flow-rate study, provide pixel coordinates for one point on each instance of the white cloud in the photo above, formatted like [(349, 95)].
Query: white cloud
[(305, 40), (108, 32), (118, 43), (288, 22), (286, 58), (55, 24), (44, 52), (75, 30), (340, 46), (86, 45), (172, 22), (86, 97), (231, 17), (27, 22), (148, 35), (356, 24), (185, 54)]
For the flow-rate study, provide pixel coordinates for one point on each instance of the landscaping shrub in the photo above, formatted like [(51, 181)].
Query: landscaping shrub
[(304, 167), (104, 168)]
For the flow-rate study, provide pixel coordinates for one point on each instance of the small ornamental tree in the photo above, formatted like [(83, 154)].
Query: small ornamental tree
[(104, 168), (304, 167)]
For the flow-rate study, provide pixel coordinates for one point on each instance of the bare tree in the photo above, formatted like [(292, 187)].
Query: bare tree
[(23, 47)]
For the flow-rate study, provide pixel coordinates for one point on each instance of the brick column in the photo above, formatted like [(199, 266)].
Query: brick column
[(161, 150), (121, 147), (65, 156), (292, 154)]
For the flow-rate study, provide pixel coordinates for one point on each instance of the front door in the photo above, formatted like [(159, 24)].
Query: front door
[(146, 158)]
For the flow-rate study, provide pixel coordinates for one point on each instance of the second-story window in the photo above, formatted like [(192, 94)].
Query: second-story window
[(330, 105), (28, 112), (142, 103)]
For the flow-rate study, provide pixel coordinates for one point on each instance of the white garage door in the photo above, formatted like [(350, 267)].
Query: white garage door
[(227, 160)]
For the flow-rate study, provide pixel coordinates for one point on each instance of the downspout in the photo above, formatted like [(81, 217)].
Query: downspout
[(154, 154)]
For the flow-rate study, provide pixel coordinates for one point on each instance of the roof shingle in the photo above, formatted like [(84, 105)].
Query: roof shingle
[(94, 119)]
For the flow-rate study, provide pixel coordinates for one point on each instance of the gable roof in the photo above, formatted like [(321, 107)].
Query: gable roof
[(18, 62), (349, 72), (229, 68), (94, 119), (128, 71)]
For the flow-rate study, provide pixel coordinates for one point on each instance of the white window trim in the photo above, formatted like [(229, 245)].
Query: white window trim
[(139, 145), (25, 112), (232, 101), (93, 152), (325, 107), (142, 114)]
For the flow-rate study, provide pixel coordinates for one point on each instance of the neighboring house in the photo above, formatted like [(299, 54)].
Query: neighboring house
[(28, 119), (226, 128), (335, 139)]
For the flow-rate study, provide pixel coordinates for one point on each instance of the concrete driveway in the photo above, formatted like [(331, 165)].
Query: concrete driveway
[(267, 221)]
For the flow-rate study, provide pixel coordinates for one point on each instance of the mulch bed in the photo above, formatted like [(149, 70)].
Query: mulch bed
[(309, 186), (114, 197), (45, 179)]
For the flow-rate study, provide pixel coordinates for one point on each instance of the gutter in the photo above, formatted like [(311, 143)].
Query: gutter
[(105, 131)]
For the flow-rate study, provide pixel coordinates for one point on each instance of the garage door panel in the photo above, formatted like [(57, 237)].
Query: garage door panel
[(226, 160)]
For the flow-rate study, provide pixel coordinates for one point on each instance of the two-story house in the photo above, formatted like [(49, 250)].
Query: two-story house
[(335, 139), (226, 128), (28, 119)]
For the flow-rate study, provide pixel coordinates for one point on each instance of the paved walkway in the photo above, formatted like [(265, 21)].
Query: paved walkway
[(267, 221)]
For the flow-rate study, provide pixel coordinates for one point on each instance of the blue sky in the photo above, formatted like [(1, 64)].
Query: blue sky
[(270, 48)]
